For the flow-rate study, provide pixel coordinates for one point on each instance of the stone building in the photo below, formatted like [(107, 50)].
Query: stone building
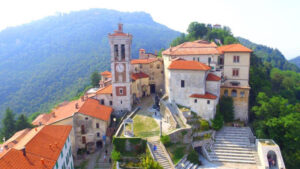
[(144, 55), (89, 120), (229, 62), (140, 85), (104, 95), (153, 67), (105, 79)]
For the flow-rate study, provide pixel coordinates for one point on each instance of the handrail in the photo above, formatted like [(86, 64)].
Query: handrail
[(152, 155)]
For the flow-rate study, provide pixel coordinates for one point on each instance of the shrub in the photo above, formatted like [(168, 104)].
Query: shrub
[(149, 163), (165, 140), (138, 145), (204, 125), (193, 157), (115, 155)]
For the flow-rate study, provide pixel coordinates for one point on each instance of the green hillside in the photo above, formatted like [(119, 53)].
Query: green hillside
[(50, 60), (273, 56), (295, 61)]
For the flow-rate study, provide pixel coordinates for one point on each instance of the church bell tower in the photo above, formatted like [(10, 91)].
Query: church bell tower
[(120, 51)]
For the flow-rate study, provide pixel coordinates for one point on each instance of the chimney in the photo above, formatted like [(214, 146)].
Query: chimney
[(24, 151), (76, 106), (42, 161), (120, 27), (53, 114), (35, 129)]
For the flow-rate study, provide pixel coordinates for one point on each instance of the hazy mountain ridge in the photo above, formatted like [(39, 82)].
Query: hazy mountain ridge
[(295, 61), (48, 61), (273, 56)]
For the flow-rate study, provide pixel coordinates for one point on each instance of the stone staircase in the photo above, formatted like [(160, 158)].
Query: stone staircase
[(232, 145), (160, 155), (185, 164), (103, 165)]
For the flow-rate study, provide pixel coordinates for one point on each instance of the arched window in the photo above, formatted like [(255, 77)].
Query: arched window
[(233, 93), (225, 92), (242, 94)]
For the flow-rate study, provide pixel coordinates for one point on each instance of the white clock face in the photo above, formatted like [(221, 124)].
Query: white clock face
[(120, 67)]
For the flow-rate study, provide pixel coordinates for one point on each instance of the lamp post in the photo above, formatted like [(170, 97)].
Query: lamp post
[(114, 119)]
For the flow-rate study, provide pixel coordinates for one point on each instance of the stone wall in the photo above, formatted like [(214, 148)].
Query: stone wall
[(183, 135), (167, 115)]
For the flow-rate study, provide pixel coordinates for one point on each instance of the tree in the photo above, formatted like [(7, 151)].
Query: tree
[(197, 30), (193, 157), (8, 124), (22, 122), (115, 155), (95, 78), (218, 121), (226, 107)]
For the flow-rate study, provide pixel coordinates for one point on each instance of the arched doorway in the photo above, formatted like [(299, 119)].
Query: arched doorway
[(272, 159)]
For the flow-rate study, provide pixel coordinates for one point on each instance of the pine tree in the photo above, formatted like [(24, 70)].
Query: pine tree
[(22, 122), (95, 78), (8, 124)]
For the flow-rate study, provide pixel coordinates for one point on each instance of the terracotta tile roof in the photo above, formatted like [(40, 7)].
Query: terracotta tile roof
[(116, 33), (143, 61), (204, 96), (233, 48), (14, 159), (140, 75), (42, 150), (199, 47), (188, 65), (105, 90), (62, 112), (212, 77), (42, 118), (106, 74), (93, 108)]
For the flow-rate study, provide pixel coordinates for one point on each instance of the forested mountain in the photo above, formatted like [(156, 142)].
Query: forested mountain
[(295, 61), (273, 56), (47, 61)]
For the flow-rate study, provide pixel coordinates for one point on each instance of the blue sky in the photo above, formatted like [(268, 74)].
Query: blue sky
[(275, 23)]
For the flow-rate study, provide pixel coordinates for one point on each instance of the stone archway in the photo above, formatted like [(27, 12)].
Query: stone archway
[(272, 159)]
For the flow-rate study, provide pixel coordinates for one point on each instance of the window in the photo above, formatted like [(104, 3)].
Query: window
[(82, 129), (121, 102), (198, 59), (235, 72), (97, 125), (116, 50), (182, 83), (121, 91), (110, 94), (158, 66), (194, 59), (98, 134), (195, 101), (236, 59), (102, 101), (209, 60), (86, 118), (242, 94), (110, 103), (225, 92), (123, 51), (62, 154), (208, 101), (83, 140), (56, 165), (135, 69), (141, 66), (233, 93)]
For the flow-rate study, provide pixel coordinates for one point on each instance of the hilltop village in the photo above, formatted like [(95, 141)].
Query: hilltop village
[(147, 99)]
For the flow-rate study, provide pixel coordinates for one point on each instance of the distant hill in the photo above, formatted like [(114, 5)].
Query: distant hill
[(273, 56), (50, 60), (295, 61)]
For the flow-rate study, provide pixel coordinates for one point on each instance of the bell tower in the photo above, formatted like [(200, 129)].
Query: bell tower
[(120, 51)]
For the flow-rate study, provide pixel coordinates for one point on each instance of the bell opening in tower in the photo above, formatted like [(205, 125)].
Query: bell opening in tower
[(116, 51), (123, 51)]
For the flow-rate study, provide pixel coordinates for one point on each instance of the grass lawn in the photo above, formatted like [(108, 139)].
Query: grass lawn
[(177, 151), (143, 123)]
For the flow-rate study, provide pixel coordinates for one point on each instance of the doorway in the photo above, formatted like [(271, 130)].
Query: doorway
[(152, 88)]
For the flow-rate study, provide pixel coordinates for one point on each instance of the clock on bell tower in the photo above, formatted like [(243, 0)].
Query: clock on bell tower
[(120, 50)]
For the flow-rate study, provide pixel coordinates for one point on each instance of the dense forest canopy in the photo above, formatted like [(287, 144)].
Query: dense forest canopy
[(50, 60), (274, 95)]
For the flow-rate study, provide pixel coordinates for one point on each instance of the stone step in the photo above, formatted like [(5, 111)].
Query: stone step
[(231, 148), (231, 154), (232, 157), (240, 151), (231, 145), (232, 137), (232, 142), (235, 161)]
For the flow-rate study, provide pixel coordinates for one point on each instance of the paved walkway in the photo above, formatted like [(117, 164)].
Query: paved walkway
[(97, 160)]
